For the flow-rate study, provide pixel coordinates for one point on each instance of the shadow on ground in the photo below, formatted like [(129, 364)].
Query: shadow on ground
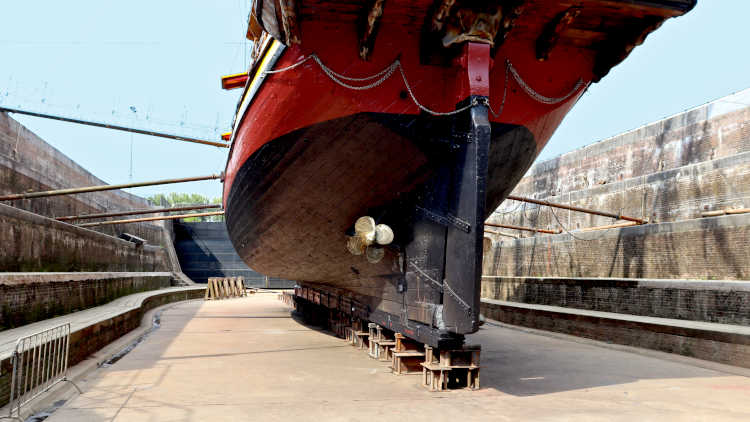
[(521, 363)]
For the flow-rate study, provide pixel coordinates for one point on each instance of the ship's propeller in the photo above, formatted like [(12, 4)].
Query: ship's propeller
[(374, 254), (368, 239), (383, 234)]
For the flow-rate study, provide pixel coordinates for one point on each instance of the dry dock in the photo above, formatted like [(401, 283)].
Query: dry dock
[(248, 359)]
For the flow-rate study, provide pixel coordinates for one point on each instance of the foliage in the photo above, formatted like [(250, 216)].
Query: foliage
[(175, 199)]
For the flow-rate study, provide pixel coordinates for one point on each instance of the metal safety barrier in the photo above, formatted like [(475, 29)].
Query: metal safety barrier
[(40, 361)]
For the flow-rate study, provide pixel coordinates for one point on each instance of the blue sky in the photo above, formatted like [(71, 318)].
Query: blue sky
[(97, 59)]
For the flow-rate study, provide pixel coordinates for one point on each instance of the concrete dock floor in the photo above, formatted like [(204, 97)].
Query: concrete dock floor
[(247, 359)]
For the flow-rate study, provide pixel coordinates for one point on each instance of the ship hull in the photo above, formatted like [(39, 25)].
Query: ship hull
[(293, 202), (428, 147)]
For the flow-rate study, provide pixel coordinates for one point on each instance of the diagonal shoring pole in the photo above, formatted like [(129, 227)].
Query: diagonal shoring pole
[(136, 212), (140, 220), (578, 209), (115, 127), (526, 229), (72, 191)]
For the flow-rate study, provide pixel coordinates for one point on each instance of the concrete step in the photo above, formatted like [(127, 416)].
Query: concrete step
[(724, 343)]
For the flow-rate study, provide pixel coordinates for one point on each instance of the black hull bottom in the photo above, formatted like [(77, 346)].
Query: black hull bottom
[(433, 180)]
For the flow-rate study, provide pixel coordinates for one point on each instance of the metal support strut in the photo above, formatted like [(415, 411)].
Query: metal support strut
[(136, 212), (72, 191), (141, 220), (115, 127)]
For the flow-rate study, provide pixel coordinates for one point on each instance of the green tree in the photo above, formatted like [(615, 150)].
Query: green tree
[(175, 199)]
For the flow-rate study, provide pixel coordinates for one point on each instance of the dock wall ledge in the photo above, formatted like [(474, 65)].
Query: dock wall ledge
[(30, 297), (720, 301)]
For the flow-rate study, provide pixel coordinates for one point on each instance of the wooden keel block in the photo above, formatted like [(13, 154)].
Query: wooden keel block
[(287, 298), (407, 362), (362, 339), (407, 356), (350, 337), (373, 339), (455, 368)]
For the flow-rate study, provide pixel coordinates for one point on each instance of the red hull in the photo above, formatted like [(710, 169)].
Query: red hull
[(310, 155), (306, 96)]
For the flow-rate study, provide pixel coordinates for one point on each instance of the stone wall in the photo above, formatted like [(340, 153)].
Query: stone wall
[(708, 248), (670, 195), (668, 173), (669, 170), (31, 243), (31, 297), (27, 163), (725, 302)]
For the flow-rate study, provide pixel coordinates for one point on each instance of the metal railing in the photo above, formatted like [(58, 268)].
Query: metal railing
[(40, 361)]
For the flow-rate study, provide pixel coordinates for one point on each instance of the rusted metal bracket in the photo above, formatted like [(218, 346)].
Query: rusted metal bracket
[(455, 22), (445, 220), (471, 24), (463, 21), (370, 22)]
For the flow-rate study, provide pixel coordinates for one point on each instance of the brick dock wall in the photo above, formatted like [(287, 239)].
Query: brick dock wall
[(30, 297), (27, 163), (719, 301)]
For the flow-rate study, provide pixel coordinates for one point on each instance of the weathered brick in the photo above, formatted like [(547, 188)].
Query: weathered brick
[(710, 301), (35, 297)]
